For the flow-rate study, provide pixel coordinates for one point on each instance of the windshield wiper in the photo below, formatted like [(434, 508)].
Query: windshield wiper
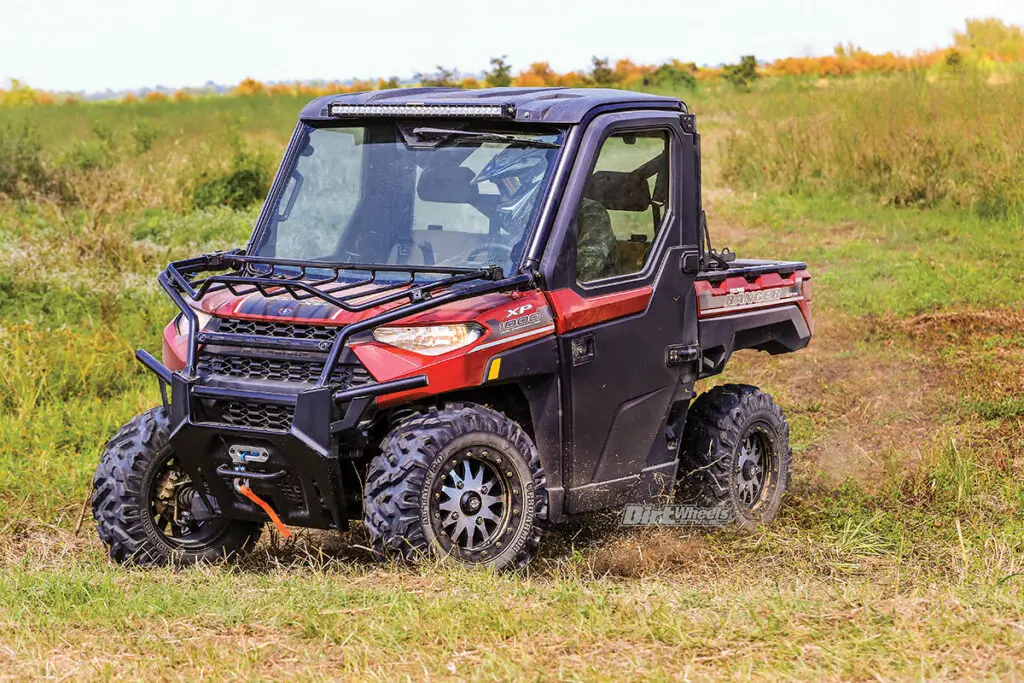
[(483, 136)]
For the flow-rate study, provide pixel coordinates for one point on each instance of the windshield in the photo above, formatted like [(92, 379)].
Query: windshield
[(390, 194)]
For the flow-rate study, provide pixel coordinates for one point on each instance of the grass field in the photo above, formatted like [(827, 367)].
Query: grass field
[(899, 553)]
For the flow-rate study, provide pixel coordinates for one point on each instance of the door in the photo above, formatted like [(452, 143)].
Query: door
[(627, 317)]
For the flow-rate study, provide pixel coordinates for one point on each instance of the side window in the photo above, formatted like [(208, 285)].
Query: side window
[(623, 204)]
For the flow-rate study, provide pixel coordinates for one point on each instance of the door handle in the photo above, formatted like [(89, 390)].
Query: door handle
[(584, 349), (690, 262), (681, 354)]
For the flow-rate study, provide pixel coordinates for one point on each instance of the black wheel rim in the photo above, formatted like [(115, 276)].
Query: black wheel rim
[(755, 465), (476, 504), (170, 507)]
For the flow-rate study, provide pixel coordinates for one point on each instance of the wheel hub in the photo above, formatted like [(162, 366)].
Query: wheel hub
[(754, 458), (750, 470), (470, 503), (474, 503), (170, 504)]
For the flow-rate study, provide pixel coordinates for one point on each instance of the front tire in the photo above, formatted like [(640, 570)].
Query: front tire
[(463, 482), (736, 453), (141, 501)]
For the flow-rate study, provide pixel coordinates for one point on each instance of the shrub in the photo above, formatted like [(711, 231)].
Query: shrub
[(144, 133), (601, 74), (500, 74), (672, 75), (443, 77), (244, 183), (743, 74), (539, 73), (87, 155), (21, 166), (249, 87)]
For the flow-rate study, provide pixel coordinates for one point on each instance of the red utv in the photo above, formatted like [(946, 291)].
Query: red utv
[(461, 316)]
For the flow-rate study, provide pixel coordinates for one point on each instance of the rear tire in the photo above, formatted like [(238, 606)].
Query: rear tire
[(463, 482), (136, 478), (736, 453)]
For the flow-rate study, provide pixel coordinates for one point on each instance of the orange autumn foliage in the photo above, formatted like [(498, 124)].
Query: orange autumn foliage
[(983, 43)]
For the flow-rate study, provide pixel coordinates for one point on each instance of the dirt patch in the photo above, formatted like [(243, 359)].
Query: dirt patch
[(960, 326), (856, 404), (633, 555)]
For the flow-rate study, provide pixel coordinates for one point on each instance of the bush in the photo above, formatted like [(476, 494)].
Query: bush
[(500, 75), (145, 133), (602, 75), (22, 172), (243, 184), (743, 74), (87, 155), (673, 76), (442, 78)]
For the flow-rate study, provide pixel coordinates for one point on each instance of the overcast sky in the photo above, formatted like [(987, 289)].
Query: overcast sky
[(92, 45)]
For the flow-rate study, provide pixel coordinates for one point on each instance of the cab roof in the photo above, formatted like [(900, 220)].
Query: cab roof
[(531, 105)]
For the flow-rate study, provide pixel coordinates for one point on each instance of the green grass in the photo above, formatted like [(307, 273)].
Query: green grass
[(877, 260), (900, 139), (897, 555)]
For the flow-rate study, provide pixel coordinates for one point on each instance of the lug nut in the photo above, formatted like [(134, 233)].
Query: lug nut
[(459, 485), (479, 521)]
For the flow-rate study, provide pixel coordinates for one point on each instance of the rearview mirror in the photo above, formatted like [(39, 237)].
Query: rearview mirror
[(448, 184)]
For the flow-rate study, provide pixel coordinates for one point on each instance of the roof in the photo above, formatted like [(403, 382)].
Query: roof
[(547, 105)]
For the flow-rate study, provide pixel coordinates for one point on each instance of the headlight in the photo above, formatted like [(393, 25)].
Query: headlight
[(181, 325), (429, 340)]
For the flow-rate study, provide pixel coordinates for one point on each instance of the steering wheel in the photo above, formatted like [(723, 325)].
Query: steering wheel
[(503, 248)]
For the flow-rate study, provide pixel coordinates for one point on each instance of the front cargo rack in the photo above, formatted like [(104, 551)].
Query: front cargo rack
[(348, 286)]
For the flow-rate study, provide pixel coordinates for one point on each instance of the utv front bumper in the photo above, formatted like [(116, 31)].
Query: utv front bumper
[(297, 467), (267, 407)]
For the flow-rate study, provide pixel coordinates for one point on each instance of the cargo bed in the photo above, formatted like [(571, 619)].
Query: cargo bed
[(753, 304)]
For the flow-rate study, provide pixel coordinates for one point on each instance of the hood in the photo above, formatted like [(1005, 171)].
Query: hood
[(284, 308)]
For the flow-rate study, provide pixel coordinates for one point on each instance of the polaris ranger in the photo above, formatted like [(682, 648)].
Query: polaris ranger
[(461, 317)]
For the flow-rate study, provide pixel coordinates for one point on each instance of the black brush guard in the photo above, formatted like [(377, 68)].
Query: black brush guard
[(302, 475)]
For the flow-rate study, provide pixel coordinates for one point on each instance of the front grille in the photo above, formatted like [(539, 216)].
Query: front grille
[(260, 364), (277, 329), (280, 369), (256, 415)]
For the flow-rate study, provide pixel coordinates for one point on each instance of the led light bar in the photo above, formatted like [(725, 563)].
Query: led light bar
[(445, 111)]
